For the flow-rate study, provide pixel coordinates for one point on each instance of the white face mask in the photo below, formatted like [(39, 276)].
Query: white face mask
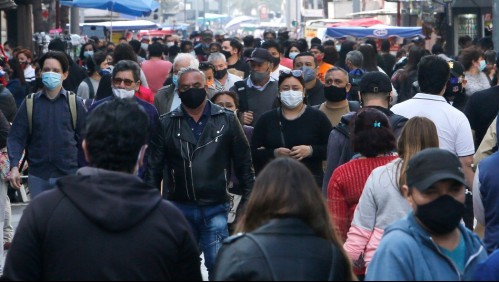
[(170, 44), (291, 98), (292, 55), (123, 93)]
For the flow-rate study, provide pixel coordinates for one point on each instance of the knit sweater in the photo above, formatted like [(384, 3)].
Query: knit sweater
[(380, 204), (345, 188)]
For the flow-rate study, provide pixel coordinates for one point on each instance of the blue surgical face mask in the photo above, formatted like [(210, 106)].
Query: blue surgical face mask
[(338, 47), (175, 80), (51, 80), (292, 55), (483, 64), (88, 54), (103, 72)]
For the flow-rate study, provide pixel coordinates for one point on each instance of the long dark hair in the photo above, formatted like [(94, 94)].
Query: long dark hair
[(285, 187), (16, 70)]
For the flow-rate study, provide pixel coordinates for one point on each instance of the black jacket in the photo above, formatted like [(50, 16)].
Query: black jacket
[(294, 252), (102, 225), (198, 172)]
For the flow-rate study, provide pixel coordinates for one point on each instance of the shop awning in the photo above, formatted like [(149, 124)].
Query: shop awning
[(7, 4)]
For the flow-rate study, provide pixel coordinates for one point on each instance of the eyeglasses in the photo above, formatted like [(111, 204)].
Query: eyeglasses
[(118, 81), (456, 80), (295, 73)]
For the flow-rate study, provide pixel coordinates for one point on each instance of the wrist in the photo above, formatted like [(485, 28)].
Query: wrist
[(311, 150)]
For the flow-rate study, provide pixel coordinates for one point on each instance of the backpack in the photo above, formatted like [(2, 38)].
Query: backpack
[(72, 109), (91, 92), (242, 94), (354, 78)]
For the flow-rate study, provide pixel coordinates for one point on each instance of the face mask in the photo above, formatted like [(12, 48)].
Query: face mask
[(219, 74), (51, 80), (442, 215), (319, 58), (104, 72), (170, 44), (292, 55), (483, 64), (259, 77), (123, 93), (338, 48), (291, 99), (227, 54), (335, 94), (144, 46), (88, 54), (452, 90), (193, 98), (175, 80), (276, 61), (308, 74)]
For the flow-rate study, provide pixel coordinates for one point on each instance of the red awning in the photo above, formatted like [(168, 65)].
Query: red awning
[(365, 22)]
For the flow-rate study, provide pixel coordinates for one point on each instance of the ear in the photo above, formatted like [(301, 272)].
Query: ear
[(408, 196), (65, 75), (464, 83), (348, 87), (142, 154), (138, 85), (85, 150)]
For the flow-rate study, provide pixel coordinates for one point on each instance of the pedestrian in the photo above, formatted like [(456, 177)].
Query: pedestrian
[(97, 67), (286, 232), (82, 241), (373, 139), (404, 78), (51, 130), (322, 67), (275, 49), (474, 64), (293, 130), (224, 80), (155, 69), (233, 51), (430, 243), (306, 62), (382, 202), (191, 153)]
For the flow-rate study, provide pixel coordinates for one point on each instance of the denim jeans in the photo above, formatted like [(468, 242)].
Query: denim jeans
[(209, 226), (37, 185)]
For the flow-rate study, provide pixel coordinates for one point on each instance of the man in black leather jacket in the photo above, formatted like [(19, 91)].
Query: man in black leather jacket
[(192, 153)]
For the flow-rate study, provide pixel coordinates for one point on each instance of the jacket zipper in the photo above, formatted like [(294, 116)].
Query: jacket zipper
[(448, 259), (472, 257), (173, 180)]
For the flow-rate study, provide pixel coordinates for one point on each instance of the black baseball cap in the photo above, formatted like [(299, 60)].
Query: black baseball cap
[(432, 165), (261, 55), (456, 68), (375, 82)]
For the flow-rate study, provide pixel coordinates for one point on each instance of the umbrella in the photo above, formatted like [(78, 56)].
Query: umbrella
[(237, 21), (136, 8)]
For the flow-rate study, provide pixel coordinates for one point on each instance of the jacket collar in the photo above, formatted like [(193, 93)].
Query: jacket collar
[(287, 226), (179, 113)]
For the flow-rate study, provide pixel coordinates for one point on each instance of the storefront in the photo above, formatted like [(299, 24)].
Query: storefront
[(472, 18)]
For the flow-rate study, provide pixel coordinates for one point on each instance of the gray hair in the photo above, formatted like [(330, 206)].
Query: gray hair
[(193, 62), (216, 56), (189, 70), (339, 69), (127, 65), (355, 57)]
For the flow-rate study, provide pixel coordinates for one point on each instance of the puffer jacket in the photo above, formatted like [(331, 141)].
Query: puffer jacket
[(199, 171)]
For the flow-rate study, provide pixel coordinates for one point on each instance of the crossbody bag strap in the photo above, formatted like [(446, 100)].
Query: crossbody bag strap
[(265, 255)]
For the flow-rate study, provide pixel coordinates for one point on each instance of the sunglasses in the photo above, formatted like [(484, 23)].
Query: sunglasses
[(295, 73), (118, 81)]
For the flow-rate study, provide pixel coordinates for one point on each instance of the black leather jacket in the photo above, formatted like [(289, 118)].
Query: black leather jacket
[(198, 172), (294, 253)]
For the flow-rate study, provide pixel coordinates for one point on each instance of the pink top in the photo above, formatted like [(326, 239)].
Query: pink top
[(156, 72)]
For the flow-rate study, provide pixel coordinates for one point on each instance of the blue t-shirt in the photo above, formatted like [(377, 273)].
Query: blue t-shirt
[(458, 255)]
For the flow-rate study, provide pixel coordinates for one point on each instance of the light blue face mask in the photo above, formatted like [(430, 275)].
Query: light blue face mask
[(51, 80), (338, 47), (292, 55), (175, 80), (483, 64), (88, 54)]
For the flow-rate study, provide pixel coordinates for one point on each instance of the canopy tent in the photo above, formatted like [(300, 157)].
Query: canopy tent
[(377, 31), (125, 25), (237, 21)]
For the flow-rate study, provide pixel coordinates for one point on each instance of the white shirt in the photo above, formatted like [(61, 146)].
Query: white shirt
[(275, 74), (454, 131), (176, 100), (231, 79)]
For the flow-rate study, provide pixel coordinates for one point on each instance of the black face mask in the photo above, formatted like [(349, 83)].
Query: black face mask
[(276, 61), (442, 215), (453, 90), (219, 74), (335, 94), (193, 97), (227, 54)]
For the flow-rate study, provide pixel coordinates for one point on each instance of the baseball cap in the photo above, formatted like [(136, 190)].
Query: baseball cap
[(432, 165), (207, 33), (456, 68), (375, 82), (261, 55)]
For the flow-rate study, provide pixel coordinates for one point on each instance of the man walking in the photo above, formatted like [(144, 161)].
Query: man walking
[(195, 146)]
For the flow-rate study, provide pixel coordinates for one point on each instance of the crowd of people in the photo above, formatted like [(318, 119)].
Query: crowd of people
[(275, 158)]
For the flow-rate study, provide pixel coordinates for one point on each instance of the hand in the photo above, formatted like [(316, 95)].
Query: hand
[(248, 117), (15, 178), (300, 152), (282, 152)]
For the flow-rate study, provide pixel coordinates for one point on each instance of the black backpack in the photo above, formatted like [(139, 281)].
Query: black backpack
[(355, 78)]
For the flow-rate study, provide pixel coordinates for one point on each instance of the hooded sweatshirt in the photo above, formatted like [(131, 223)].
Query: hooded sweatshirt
[(102, 225), (408, 253)]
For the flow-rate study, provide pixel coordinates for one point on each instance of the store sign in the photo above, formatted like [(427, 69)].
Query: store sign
[(380, 32)]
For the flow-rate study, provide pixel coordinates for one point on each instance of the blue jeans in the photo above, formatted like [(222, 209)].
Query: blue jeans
[(209, 226), (37, 185)]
